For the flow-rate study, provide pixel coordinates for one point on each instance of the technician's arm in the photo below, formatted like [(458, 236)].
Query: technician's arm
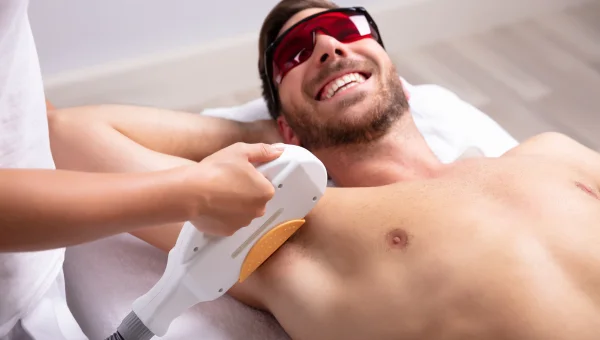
[(91, 139), (42, 209)]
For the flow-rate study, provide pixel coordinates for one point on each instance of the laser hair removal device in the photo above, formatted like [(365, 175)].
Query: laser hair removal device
[(203, 267)]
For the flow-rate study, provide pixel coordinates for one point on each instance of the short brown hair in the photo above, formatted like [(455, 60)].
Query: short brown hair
[(273, 23)]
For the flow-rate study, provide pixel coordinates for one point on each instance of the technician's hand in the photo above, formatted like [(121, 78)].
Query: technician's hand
[(233, 191)]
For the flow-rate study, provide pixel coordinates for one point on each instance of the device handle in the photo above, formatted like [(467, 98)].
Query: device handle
[(167, 299), (193, 240), (273, 168)]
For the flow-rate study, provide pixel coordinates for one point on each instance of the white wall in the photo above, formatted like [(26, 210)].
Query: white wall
[(76, 34), (171, 54)]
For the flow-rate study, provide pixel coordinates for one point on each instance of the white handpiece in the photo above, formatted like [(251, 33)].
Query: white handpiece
[(202, 267)]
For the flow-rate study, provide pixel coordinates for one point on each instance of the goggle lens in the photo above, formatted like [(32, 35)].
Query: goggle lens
[(297, 44)]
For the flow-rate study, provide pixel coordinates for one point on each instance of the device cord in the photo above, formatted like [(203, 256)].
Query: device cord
[(116, 336), (132, 328)]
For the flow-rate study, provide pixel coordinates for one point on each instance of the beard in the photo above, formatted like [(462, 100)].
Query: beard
[(388, 106)]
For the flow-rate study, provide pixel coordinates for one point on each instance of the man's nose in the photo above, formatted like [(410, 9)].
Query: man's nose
[(328, 49)]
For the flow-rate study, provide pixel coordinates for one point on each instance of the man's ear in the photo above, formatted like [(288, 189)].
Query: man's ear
[(288, 135)]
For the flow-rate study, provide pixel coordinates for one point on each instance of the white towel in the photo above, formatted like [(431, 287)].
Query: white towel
[(105, 277), (449, 125)]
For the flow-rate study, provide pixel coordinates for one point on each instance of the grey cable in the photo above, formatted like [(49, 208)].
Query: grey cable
[(131, 328), (115, 336)]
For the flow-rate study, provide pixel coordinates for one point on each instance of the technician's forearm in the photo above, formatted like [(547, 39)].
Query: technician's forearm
[(42, 209)]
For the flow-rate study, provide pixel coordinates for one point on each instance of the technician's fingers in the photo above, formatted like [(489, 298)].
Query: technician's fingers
[(261, 152)]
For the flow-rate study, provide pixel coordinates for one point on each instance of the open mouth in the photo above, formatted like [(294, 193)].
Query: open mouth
[(340, 84)]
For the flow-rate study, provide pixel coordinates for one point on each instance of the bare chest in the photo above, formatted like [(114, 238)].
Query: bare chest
[(453, 255), (459, 210)]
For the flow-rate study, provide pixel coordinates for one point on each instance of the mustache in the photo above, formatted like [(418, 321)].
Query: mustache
[(336, 67)]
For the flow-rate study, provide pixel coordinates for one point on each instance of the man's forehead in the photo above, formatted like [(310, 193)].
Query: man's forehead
[(299, 16)]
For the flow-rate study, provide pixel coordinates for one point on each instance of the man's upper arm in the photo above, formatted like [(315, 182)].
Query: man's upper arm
[(186, 135), (77, 144), (116, 138)]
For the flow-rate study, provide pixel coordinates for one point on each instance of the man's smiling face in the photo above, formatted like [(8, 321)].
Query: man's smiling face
[(344, 93)]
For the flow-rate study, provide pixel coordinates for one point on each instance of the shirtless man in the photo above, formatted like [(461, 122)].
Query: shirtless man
[(405, 247)]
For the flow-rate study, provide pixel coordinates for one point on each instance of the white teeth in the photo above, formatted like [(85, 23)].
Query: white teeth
[(342, 83), (330, 93)]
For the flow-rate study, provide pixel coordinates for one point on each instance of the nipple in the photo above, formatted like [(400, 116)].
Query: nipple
[(398, 238), (587, 190)]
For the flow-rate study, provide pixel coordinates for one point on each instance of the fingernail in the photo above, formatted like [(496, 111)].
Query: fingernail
[(278, 146)]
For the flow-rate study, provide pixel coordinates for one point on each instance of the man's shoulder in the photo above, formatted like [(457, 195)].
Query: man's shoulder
[(553, 138), (547, 143), (543, 142), (562, 148)]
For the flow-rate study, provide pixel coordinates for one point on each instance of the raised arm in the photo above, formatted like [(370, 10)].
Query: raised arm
[(181, 134), (115, 138), (126, 139)]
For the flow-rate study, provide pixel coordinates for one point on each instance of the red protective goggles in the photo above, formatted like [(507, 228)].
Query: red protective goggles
[(296, 44)]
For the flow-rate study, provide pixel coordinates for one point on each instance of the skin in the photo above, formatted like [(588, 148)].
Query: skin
[(406, 247)]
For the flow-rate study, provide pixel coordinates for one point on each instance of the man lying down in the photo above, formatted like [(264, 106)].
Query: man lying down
[(404, 247)]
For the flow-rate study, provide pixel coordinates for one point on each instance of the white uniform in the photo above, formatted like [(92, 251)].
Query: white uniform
[(32, 298)]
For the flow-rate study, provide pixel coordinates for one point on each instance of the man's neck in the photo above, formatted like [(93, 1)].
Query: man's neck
[(401, 155)]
